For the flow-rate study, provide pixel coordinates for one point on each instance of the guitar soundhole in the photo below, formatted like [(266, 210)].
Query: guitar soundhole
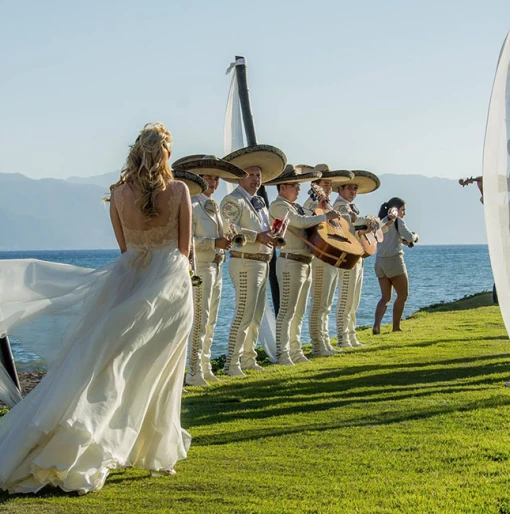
[(336, 237)]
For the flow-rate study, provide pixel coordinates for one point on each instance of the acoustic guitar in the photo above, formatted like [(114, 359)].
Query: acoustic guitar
[(331, 241), (369, 239), (368, 236)]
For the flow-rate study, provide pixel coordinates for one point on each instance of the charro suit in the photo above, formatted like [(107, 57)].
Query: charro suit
[(350, 282), (207, 226), (294, 272), (324, 280), (249, 271)]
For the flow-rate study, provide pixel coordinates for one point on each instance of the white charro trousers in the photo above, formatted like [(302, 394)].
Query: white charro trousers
[(294, 281), (350, 282), (206, 301), (250, 283), (324, 280)]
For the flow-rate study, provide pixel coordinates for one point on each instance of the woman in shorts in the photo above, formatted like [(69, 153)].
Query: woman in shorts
[(390, 267)]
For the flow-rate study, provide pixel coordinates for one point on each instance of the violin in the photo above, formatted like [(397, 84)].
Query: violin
[(466, 181)]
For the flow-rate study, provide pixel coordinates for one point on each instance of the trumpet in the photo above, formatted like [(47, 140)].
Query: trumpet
[(278, 230), (195, 279), (233, 234)]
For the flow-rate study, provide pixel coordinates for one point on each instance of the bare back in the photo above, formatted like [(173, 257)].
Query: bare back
[(160, 230)]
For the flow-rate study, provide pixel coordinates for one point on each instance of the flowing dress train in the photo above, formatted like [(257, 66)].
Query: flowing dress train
[(112, 395)]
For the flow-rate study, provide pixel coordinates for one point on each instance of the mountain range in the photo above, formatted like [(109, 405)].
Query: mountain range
[(57, 214)]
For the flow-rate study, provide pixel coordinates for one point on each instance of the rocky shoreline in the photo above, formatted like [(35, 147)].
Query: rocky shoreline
[(28, 380)]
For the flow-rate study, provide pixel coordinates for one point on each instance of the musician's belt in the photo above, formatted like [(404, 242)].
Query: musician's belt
[(217, 259), (306, 259), (264, 257)]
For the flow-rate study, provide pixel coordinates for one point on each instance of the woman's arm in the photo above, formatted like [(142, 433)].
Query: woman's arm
[(117, 225), (185, 223), (405, 233)]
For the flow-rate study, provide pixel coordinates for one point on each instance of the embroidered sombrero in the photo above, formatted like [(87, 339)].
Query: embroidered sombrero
[(338, 176), (294, 174), (366, 181), (195, 183), (269, 159), (202, 164)]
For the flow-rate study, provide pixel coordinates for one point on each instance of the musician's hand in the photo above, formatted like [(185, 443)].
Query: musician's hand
[(266, 238), (323, 205), (223, 243), (393, 214), (415, 237), (333, 215), (373, 223)]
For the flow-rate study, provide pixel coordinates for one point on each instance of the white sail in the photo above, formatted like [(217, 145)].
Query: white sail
[(233, 126), (496, 180)]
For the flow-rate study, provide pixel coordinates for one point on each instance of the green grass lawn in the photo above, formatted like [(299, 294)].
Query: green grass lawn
[(415, 422)]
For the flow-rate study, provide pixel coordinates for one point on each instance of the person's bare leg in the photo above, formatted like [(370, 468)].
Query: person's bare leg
[(401, 285), (386, 292)]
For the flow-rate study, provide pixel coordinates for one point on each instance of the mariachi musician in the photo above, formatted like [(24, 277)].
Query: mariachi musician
[(351, 280), (248, 219), (324, 275), (293, 267), (210, 244)]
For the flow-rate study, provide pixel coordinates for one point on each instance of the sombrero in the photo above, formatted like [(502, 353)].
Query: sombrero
[(202, 164), (294, 174), (269, 159), (338, 176), (366, 181), (196, 184)]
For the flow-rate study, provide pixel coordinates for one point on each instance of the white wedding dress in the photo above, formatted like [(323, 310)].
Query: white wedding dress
[(112, 395)]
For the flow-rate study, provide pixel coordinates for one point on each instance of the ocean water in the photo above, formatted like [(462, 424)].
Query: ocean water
[(436, 274)]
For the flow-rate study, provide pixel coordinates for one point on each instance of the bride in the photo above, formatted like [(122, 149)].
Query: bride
[(112, 396)]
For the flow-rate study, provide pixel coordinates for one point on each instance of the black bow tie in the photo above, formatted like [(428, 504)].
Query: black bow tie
[(258, 203), (299, 209), (354, 209)]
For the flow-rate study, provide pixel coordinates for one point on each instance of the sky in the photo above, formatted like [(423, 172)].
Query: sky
[(388, 86)]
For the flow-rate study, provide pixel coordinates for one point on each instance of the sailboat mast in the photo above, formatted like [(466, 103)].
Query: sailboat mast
[(251, 140)]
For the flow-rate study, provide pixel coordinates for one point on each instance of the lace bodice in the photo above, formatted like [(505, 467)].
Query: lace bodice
[(160, 231)]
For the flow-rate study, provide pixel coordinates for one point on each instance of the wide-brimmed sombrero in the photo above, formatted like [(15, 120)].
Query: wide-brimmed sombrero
[(338, 176), (269, 159), (366, 181), (294, 174), (195, 183), (202, 164)]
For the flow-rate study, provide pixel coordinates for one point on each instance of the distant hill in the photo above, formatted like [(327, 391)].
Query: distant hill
[(68, 214), (105, 180), (52, 214), (438, 209)]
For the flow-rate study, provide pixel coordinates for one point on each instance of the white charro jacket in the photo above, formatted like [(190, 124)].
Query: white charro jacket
[(297, 222), (238, 210), (206, 227)]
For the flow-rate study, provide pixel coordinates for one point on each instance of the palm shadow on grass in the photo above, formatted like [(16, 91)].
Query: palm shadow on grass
[(323, 391), (46, 492), (115, 477), (385, 419)]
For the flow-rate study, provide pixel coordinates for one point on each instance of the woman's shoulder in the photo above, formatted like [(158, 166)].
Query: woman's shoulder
[(176, 189), (118, 191)]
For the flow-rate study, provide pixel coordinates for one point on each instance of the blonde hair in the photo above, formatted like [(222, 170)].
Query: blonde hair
[(147, 165)]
